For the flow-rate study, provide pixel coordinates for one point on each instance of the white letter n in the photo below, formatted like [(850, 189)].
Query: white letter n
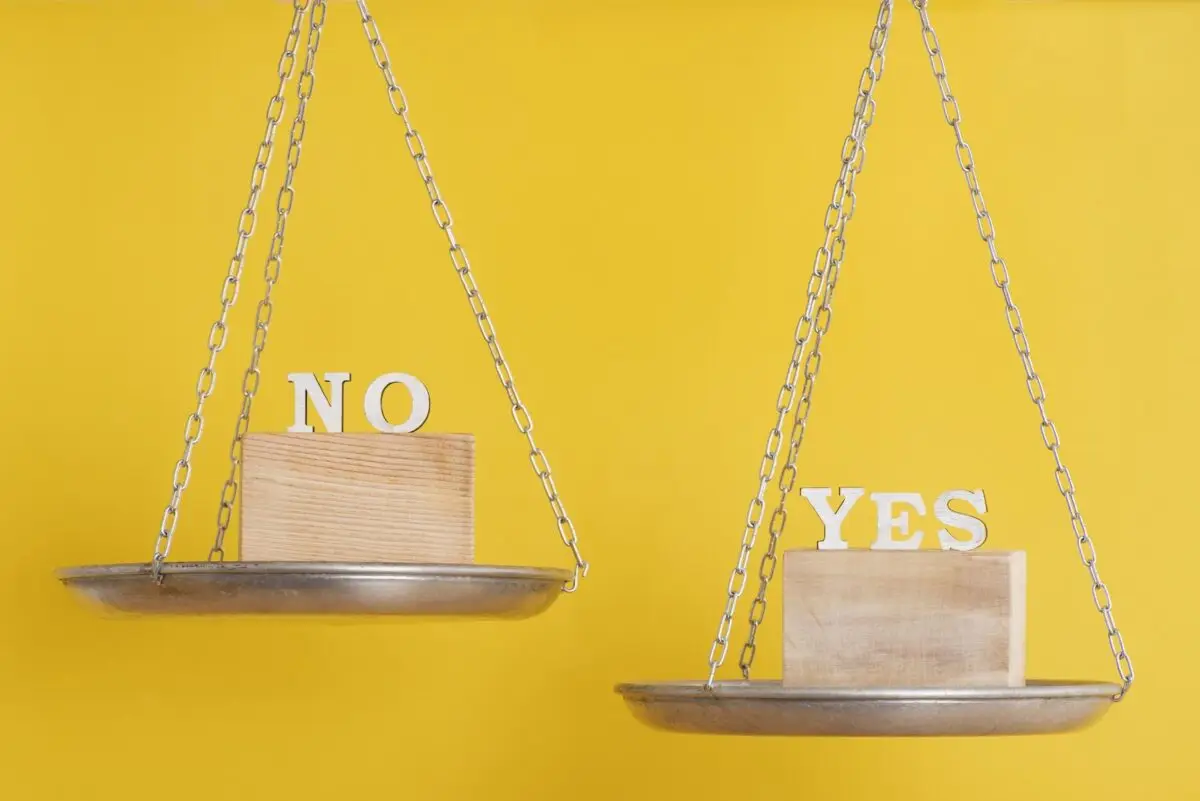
[(328, 409)]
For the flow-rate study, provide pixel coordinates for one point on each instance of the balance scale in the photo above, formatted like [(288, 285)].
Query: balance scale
[(217, 586), (746, 706), (755, 707)]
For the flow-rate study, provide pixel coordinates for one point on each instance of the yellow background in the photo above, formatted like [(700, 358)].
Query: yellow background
[(640, 185)]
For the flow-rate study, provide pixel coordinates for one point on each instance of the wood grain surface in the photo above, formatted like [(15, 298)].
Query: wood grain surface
[(925, 618), (358, 498)]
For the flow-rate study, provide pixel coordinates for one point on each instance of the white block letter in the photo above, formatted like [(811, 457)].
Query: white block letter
[(947, 517), (818, 497), (887, 523), (328, 409), (373, 403)]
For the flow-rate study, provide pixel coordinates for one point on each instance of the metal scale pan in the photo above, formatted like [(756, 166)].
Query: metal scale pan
[(313, 588), (220, 587), (767, 708)]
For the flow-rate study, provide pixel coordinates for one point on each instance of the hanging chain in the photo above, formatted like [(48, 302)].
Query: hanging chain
[(1033, 382), (262, 318), (229, 289), (831, 253), (811, 328), (458, 257)]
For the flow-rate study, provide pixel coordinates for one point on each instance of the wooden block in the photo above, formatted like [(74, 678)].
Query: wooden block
[(922, 618), (358, 498)]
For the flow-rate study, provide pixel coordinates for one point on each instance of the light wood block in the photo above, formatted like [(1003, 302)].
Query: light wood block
[(921, 618), (358, 498)]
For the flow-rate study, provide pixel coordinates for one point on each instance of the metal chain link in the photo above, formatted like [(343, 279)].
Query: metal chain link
[(218, 334), (262, 318), (832, 252), (811, 328), (1033, 382), (458, 257)]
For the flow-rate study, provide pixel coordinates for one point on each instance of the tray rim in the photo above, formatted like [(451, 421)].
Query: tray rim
[(773, 690), (398, 570)]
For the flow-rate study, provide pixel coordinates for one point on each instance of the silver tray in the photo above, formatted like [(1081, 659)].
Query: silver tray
[(768, 708), (310, 588)]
